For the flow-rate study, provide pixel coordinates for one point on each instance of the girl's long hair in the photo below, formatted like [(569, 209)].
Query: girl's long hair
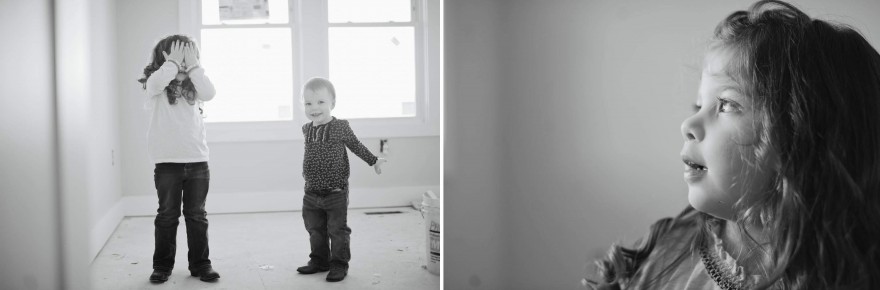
[(816, 89), (176, 89)]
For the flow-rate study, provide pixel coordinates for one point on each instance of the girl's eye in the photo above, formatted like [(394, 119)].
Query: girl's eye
[(727, 106), (320, 102)]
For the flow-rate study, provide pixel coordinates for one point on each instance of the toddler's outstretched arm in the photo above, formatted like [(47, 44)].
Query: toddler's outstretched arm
[(351, 141)]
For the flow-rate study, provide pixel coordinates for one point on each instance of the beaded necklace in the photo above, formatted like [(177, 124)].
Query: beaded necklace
[(720, 265), (722, 278)]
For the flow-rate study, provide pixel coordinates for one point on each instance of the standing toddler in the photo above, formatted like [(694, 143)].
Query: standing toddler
[(326, 172)]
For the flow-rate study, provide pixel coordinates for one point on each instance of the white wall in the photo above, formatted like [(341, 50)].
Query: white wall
[(593, 96), (240, 170), (29, 200), (47, 143), (475, 236), (73, 95), (103, 170)]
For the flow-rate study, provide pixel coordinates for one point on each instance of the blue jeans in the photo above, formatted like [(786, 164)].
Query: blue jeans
[(176, 183), (325, 214)]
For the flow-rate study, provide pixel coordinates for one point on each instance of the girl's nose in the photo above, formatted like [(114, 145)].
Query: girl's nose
[(692, 128)]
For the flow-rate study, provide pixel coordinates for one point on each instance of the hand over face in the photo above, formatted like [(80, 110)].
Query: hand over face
[(191, 55), (175, 53)]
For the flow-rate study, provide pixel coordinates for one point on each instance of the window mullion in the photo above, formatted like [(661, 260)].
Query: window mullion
[(295, 23), (414, 11), (421, 59)]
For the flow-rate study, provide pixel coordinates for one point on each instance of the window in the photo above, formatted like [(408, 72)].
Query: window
[(250, 58), (383, 56), (372, 56)]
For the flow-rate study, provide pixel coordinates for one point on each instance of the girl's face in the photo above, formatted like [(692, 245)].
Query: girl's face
[(719, 138), (317, 105)]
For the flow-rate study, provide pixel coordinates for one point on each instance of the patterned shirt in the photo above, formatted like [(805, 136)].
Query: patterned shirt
[(325, 165)]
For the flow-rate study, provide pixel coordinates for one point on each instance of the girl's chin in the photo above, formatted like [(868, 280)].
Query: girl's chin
[(704, 203)]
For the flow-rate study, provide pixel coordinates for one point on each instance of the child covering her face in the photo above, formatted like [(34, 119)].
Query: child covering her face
[(177, 143)]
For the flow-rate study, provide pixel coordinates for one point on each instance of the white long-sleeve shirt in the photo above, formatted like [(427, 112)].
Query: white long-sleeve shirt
[(177, 132)]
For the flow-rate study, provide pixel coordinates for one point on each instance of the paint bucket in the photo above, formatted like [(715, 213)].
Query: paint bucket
[(431, 214)]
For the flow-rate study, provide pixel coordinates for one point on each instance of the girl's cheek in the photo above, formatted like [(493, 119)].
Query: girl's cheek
[(746, 132)]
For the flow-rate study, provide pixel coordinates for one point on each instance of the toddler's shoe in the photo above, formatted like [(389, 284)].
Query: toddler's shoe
[(159, 276), (206, 274), (337, 274), (312, 269)]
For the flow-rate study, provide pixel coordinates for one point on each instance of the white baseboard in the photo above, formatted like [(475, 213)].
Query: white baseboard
[(105, 227), (269, 201)]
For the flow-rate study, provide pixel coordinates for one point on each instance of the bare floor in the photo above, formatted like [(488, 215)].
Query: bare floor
[(263, 250)]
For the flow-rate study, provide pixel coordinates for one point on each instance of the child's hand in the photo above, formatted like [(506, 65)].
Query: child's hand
[(191, 56), (176, 54), (378, 165)]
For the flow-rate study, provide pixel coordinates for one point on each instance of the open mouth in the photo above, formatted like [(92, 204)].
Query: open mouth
[(315, 114), (694, 165)]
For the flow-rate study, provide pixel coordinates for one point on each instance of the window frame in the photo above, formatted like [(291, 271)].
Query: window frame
[(308, 21)]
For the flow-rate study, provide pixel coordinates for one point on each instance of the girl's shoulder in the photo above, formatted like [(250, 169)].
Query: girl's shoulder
[(670, 256), (687, 222), (674, 229), (675, 234), (657, 256)]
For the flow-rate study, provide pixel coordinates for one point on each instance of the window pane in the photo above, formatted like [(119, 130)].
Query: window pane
[(277, 10), (251, 70), (373, 70), (342, 11)]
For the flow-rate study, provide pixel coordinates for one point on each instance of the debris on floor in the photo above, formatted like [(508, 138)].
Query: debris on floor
[(113, 268)]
